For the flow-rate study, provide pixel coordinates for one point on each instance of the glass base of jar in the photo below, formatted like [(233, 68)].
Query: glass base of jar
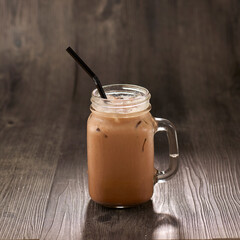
[(118, 207), (121, 206)]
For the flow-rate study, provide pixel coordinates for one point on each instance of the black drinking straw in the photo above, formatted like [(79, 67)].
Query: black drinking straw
[(88, 71)]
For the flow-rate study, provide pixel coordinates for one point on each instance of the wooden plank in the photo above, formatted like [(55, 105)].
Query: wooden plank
[(69, 197), (35, 92)]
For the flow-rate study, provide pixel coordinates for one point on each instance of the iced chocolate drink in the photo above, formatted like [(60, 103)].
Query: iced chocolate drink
[(120, 147)]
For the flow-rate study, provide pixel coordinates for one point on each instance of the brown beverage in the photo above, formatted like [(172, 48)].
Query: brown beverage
[(120, 136)]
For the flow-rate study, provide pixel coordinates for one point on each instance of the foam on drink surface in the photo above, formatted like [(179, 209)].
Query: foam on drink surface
[(123, 98)]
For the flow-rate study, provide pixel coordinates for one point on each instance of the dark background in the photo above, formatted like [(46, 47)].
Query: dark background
[(186, 53)]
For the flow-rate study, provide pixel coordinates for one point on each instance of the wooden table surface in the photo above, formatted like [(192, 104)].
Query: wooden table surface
[(187, 53)]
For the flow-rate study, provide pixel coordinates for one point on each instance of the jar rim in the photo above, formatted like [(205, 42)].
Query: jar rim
[(121, 98), (96, 94)]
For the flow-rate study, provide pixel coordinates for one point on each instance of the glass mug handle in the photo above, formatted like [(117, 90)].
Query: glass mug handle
[(167, 126)]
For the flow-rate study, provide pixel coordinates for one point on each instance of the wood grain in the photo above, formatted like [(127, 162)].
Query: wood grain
[(35, 96), (187, 53)]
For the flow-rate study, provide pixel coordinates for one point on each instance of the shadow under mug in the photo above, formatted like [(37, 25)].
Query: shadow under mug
[(140, 222)]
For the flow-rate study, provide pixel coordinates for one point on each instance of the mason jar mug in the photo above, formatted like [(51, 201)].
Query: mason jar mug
[(120, 147)]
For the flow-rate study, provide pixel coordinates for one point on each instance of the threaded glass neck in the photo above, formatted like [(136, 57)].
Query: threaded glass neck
[(121, 99)]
